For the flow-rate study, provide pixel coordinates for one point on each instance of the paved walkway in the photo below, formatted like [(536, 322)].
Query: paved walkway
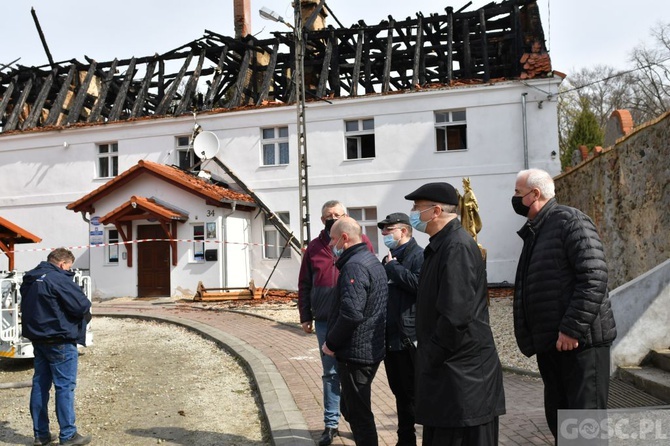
[(286, 366)]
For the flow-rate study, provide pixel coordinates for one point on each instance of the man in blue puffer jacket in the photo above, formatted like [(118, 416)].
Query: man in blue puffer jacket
[(54, 314), (356, 326), (316, 293)]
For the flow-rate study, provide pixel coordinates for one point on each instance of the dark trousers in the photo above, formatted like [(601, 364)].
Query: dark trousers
[(577, 379), (481, 435), (400, 374), (355, 405)]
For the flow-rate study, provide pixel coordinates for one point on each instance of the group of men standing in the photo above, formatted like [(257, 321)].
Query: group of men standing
[(424, 313)]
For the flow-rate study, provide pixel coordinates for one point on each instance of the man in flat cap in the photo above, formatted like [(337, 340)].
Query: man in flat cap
[(459, 385), (402, 265)]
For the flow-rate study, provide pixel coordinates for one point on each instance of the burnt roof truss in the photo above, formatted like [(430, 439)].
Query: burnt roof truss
[(219, 72)]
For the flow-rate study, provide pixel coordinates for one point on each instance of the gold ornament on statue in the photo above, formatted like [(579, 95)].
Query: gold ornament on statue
[(470, 219)]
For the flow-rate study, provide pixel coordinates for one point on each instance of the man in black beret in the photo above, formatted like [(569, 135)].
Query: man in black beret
[(402, 265), (459, 385)]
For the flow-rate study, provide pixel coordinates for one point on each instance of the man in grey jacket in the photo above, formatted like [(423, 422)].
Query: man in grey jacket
[(562, 311)]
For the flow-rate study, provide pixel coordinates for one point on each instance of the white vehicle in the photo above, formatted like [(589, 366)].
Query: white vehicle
[(12, 344)]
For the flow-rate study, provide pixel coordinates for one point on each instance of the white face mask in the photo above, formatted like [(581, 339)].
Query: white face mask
[(390, 242), (337, 252), (415, 219)]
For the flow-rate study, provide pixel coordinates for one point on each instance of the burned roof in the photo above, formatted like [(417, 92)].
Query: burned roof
[(217, 73)]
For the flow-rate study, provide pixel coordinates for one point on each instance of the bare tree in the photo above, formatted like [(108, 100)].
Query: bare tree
[(643, 89), (602, 87), (651, 87)]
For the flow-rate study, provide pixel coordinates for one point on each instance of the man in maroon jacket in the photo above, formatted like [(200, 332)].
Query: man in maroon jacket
[(316, 294)]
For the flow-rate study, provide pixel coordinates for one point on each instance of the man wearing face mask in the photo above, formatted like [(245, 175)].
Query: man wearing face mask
[(316, 293), (356, 326), (459, 384), (402, 265), (562, 311)]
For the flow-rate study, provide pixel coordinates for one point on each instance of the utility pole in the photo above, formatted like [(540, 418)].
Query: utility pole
[(299, 81), (299, 86)]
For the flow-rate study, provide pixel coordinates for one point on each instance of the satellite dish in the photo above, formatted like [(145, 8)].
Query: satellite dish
[(206, 145)]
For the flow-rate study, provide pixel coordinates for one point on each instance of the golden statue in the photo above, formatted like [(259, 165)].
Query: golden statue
[(470, 219)]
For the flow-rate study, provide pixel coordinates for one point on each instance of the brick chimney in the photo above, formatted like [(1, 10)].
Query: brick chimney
[(242, 13)]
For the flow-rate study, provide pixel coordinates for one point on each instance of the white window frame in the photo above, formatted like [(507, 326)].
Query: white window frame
[(273, 241), (359, 137), (108, 154), (198, 246), (112, 247), (183, 146), (450, 122), (277, 143), (366, 216)]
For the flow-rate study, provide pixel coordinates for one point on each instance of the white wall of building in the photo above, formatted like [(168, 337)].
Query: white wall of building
[(40, 174), (405, 156)]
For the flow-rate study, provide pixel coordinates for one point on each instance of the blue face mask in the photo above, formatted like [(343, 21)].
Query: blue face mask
[(390, 242), (337, 252), (415, 221)]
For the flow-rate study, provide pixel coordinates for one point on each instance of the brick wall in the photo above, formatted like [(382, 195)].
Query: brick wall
[(626, 191)]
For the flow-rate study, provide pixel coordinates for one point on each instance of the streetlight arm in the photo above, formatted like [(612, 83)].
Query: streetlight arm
[(269, 14)]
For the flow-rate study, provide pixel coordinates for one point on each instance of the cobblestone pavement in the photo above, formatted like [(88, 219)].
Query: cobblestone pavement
[(296, 357)]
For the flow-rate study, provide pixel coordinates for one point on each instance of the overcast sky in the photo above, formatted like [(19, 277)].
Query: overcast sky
[(580, 33)]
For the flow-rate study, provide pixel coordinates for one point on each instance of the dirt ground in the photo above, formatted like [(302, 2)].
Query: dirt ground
[(145, 383)]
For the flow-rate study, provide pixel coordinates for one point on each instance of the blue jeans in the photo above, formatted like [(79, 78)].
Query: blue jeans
[(331, 380), (57, 364)]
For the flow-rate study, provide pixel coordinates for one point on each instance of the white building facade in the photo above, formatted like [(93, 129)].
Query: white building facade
[(368, 152)]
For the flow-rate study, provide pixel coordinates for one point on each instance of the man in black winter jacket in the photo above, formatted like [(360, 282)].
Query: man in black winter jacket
[(54, 314), (402, 265), (356, 326), (562, 311)]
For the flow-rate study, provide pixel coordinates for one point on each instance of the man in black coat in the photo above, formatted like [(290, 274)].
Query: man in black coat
[(402, 265), (356, 326), (562, 311), (459, 385)]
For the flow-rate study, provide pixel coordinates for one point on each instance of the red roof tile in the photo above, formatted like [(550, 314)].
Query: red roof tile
[(215, 195), (143, 206), (9, 230)]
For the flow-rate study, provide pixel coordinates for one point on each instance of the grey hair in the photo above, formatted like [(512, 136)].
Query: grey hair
[(539, 179), (330, 204), (449, 208)]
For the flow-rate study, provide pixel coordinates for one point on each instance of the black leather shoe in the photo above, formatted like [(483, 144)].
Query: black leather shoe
[(77, 439), (43, 441), (327, 436)]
